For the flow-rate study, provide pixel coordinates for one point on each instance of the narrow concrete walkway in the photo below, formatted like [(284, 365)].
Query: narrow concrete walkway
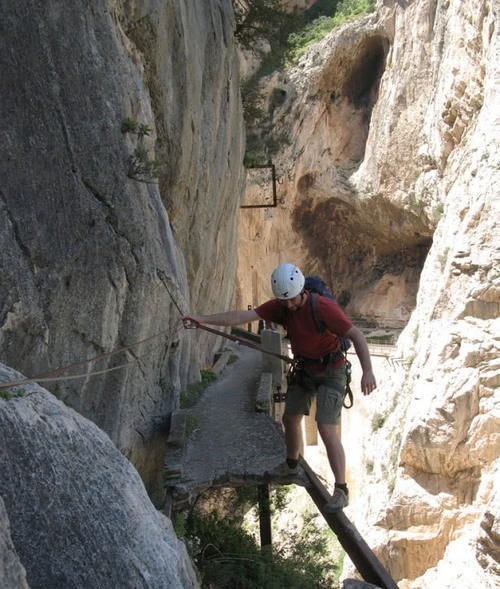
[(224, 441), (230, 443)]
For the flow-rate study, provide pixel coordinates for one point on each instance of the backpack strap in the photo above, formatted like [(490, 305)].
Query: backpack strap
[(321, 327)]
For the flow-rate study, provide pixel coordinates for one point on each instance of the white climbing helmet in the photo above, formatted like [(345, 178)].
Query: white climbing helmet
[(287, 281)]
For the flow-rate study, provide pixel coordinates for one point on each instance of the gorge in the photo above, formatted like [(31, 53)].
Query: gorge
[(122, 178)]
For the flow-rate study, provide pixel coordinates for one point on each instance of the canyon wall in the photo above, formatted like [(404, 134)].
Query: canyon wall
[(388, 175), (439, 507), (123, 140), (122, 136), (78, 510)]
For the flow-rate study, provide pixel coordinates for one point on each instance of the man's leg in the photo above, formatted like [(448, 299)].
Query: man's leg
[(334, 450), (290, 469), (336, 457), (297, 405)]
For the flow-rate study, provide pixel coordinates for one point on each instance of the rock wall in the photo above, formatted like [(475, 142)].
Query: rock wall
[(122, 137), (12, 572), (443, 506), (110, 231), (440, 505), (369, 247), (387, 172), (79, 513), (366, 123)]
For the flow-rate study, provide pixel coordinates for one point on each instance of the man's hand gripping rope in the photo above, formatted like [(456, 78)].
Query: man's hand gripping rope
[(190, 323)]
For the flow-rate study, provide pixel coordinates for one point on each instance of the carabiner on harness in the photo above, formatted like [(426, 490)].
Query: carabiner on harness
[(348, 392)]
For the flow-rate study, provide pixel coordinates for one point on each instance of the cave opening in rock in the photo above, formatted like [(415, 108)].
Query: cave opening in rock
[(361, 87)]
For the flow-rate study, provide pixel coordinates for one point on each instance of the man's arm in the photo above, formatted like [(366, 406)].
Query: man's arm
[(236, 317), (368, 382)]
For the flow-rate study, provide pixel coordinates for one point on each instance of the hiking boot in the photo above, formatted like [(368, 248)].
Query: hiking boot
[(338, 501), (283, 470), (283, 473)]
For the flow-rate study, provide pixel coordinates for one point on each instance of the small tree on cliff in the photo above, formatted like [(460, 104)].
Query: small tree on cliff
[(262, 20)]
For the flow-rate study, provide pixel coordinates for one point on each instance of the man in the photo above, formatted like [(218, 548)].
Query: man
[(321, 369)]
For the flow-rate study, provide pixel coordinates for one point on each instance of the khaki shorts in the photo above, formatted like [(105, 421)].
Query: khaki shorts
[(329, 389)]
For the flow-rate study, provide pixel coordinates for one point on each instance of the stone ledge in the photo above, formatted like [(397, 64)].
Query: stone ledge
[(264, 393), (221, 363), (177, 433)]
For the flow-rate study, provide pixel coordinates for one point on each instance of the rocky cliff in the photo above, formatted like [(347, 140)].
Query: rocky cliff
[(121, 176), (79, 512), (388, 173), (122, 141), (443, 504)]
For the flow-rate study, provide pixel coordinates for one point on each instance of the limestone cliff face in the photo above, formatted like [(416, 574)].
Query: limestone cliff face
[(366, 244), (106, 228), (388, 186), (12, 571), (444, 508)]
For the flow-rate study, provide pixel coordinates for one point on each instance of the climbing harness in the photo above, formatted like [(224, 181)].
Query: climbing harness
[(348, 376), (298, 371)]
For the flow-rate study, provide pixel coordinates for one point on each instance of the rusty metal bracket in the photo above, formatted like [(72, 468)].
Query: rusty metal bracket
[(273, 181)]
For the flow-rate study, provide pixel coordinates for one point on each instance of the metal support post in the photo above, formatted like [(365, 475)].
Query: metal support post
[(264, 515)]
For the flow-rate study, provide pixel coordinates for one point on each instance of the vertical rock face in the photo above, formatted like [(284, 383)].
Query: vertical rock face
[(388, 188), (121, 175), (440, 505), (365, 243)]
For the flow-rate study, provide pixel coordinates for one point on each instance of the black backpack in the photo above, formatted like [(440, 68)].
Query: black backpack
[(316, 285)]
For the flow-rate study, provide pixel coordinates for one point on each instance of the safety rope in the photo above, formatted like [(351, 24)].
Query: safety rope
[(190, 323), (50, 376)]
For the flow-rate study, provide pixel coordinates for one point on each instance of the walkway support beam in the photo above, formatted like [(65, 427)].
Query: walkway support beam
[(365, 561), (264, 515)]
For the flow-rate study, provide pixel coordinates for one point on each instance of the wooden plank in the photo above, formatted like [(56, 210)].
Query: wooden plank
[(367, 564), (264, 515)]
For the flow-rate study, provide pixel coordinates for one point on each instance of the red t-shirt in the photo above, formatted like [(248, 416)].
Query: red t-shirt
[(305, 338)]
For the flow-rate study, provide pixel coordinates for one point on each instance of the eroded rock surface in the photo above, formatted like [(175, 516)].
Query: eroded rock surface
[(79, 513), (12, 573), (121, 175)]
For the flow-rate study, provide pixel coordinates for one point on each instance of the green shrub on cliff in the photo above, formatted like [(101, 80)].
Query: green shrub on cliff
[(318, 29), (227, 557)]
